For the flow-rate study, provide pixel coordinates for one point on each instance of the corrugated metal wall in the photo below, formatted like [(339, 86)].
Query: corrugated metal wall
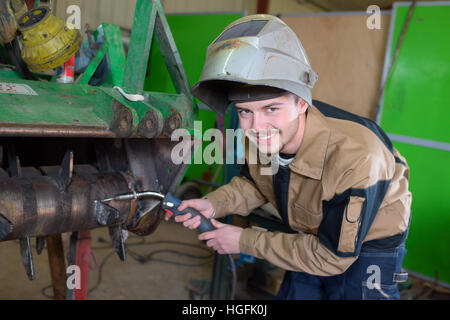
[(187, 6), (95, 12), (121, 12), (292, 6)]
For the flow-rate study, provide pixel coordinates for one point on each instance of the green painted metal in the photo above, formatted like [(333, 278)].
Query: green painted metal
[(192, 33), (82, 106), (150, 19), (416, 104), (54, 104), (9, 74), (112, 46), (116, 53), (140, 44), (92, 67)]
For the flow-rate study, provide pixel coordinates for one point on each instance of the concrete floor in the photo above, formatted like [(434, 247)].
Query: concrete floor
[(119, 280), (151, 280)]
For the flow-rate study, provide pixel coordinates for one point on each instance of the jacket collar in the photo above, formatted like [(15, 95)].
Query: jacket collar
[(310, 158)]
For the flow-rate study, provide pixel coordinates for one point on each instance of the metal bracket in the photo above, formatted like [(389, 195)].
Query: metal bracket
[(27, 257), (40, 244), (65, 172), (6, 226), (25, 248), (118, 241), (105, 214)]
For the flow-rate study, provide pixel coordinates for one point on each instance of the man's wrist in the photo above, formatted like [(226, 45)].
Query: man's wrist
[(214, 210)]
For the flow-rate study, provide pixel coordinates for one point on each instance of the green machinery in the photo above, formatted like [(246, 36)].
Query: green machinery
[(64, 146)]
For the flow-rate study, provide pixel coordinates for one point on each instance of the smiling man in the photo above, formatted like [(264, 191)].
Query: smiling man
[(341, 186)]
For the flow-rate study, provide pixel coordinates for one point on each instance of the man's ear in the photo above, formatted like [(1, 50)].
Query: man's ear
[(303, 105)]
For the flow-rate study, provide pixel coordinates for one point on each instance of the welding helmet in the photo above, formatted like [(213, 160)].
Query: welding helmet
[(257, 50)]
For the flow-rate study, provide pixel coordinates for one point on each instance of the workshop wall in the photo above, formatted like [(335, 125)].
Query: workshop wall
[(96, 12), (347, 56), (416, 117), (121, 12)]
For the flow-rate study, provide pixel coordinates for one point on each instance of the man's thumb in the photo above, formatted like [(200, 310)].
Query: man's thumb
[(217, 224)]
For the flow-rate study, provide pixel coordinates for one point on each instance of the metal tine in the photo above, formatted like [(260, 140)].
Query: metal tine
[(27, 257)]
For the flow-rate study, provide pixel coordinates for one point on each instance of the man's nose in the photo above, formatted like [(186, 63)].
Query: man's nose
[(258, 122)]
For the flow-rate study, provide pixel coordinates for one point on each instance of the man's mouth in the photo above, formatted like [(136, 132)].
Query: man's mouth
[(265, 138)]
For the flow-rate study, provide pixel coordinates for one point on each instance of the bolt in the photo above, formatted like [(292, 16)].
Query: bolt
[(149, 123), (123, 124)]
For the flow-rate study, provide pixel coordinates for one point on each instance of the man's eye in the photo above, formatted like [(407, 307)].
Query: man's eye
[(244, 112), (271, 110)]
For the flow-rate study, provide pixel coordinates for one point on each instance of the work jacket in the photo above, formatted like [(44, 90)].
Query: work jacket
[(348, 189)]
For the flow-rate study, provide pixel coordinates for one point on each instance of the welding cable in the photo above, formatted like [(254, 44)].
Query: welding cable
[(233, 275), (144, 258), (151, 257)]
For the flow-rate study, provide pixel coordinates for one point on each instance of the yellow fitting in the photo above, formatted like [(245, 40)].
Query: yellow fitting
[(47, 41)]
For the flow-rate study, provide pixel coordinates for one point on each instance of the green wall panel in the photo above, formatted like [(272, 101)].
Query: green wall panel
[(417, 95), (416, 104), (429, 237)]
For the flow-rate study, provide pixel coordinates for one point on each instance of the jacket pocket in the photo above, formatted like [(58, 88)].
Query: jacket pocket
[(351, 221), (305, 218)]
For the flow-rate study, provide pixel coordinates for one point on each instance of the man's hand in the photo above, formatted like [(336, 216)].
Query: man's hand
[(204, 206), (225, 239)]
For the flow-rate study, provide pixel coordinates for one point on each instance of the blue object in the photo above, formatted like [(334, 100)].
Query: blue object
[(170, 204), (85, 55), (358, 282)]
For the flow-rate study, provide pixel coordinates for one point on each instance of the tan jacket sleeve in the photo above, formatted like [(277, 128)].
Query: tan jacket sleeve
[(240, 196), (296, 252)]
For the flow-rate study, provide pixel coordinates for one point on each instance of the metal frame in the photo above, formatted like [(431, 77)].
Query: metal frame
[(387, 62), (334, 13), (102, 110)]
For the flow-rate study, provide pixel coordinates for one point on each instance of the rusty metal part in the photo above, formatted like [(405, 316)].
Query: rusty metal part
[(37, 130), (25, 247), (6, 227), (152, 168), (27, 256), (122, 123), (152, 124), (147, 223), (64, 175), (40, 244), (173, 122), (118, 241), (105, 214), (57, 266), (36, 207)]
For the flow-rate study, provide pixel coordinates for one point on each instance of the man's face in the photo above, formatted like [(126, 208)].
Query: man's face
[(271, 124)]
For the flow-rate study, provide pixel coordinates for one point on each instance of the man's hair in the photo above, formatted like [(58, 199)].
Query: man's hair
[(296, 98)]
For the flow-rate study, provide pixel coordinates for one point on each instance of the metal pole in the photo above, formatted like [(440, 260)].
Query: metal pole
[(57, 266)]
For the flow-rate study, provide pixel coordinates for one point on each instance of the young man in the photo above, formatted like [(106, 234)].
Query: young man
[(340, 186)]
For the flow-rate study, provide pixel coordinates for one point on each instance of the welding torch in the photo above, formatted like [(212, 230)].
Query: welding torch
[(169, 204)]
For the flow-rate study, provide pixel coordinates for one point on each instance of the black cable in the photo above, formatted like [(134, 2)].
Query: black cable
[(145, 258), (234, 277)]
